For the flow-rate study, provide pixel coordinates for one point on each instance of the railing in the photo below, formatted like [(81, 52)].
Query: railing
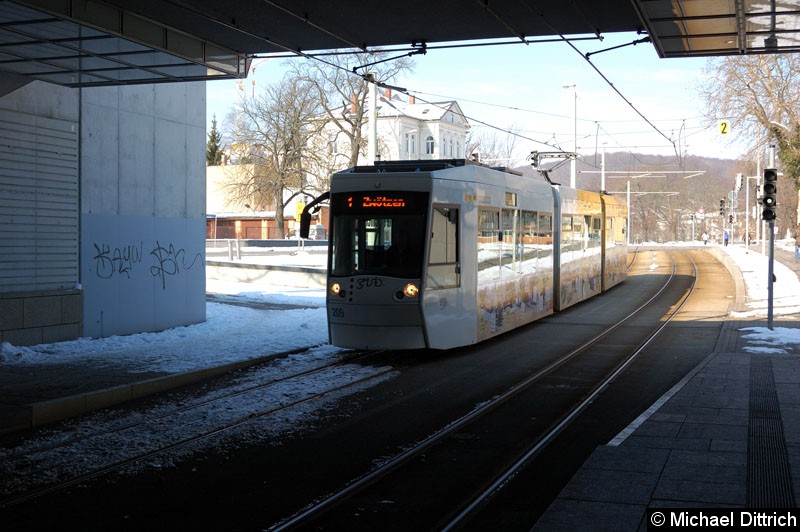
[(235, 249)]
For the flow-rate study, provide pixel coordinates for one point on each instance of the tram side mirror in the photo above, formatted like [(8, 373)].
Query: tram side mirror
[(305, 224)]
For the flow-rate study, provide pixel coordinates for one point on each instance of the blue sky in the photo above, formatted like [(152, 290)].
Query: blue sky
[(522, 86)]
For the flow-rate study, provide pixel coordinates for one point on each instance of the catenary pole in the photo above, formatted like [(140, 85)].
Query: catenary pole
[(771, 267)]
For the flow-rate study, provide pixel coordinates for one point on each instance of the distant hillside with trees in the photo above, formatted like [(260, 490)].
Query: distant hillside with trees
[(667, 192)]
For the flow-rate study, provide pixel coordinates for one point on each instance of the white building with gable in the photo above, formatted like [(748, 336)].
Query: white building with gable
[(408, 130)]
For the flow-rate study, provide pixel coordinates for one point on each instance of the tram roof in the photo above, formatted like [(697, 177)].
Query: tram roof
[(116, 42)]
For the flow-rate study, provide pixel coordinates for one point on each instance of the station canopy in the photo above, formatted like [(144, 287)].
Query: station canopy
[(80, 43)]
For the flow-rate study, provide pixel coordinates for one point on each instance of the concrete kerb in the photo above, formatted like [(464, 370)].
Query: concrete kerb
[(739, 304), (53, 410), (297, 276)]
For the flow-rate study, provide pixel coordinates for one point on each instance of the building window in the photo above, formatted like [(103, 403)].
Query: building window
[(411, 143), (429, 145)]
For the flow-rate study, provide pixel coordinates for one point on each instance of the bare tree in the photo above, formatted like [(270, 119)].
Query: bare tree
[(269, 137), (494, 147), (342, 95), (760, 94)]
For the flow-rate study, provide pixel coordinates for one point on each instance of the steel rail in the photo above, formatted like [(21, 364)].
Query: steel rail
[(127, 426), (328, 501), (183, 442), (521, 462)]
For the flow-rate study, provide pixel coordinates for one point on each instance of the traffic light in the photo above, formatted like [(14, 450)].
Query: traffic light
[(730, 218), (722, 207), (770, 198)]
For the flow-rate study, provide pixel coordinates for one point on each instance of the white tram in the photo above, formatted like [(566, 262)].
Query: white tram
[(441, 254)]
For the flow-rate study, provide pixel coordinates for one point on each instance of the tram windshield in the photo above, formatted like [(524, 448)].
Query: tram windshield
[(378, 234)]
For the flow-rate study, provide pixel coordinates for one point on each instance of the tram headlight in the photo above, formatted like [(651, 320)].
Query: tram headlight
[(336, 289), (410, 290)]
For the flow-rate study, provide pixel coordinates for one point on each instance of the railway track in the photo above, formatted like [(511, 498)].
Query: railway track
[(234, 482), (450, 468), (196, 418)]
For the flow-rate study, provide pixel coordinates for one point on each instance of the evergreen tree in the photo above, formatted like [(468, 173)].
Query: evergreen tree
[(214, 146)]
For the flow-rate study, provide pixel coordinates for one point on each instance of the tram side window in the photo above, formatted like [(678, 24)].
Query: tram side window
[(545, 238), (443, 262), (527, 248), (579, 231), (510, 239), (566, 233), (594, 232), (488, 245)]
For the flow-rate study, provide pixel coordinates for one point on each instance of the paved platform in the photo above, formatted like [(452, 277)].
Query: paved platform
[(726, 436)]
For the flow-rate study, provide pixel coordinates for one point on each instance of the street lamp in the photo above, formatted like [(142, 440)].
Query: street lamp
[(572, 165)]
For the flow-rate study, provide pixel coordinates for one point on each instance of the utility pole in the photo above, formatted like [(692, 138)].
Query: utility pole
[(771, 268), (629, 212), (573, 162), (372, 125)]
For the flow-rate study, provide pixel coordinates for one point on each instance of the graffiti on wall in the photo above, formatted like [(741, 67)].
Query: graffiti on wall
[(169, 261), (109, 262), (166, 260)]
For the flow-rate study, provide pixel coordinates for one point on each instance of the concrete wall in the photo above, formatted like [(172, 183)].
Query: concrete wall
[(40, 300), (139, 238), (142, 207), (43, 99)]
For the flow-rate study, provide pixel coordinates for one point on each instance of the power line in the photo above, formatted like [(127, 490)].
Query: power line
[(492, 126), (478, 121), (630, 104), (596, 69), (534, 111)]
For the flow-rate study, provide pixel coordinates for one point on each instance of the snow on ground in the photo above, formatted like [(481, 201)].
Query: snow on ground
[(230, 333), (233, 333), (754, 266), (785, 300), (779, 341), (249, 403)]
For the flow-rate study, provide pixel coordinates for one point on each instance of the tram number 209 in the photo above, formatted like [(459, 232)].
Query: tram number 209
[(337, 312)]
